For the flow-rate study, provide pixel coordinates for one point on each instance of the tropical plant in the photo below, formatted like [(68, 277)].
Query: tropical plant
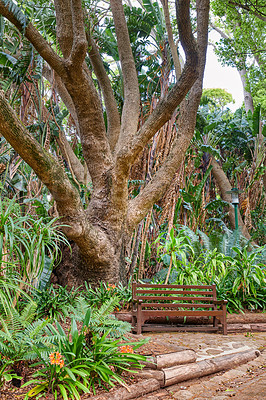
[(100, 320), (6, 373), (105, 291), (59, 379), (55, 301), (173, 250), (29, 246), (20, 334), (81, 360), (245, 274)]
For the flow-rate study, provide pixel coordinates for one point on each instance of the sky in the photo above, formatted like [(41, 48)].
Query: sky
[(223, 77)]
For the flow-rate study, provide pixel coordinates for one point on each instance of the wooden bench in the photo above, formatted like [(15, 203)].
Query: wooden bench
[(155, 300)]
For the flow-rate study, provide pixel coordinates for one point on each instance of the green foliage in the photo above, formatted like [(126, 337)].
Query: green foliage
[(81, 360), (105, 292), (175, 249), (28, 245), (18, 14), (6, 374), (243, 47), (100, 320), (244, 281), (220, 97), (237, 268), (21, 334), (55, 302)]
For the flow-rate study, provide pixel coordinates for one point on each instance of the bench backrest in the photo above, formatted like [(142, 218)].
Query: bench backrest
[(158, 295)]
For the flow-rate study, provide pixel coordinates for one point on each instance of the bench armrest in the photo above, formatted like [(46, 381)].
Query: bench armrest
[(220, 301)]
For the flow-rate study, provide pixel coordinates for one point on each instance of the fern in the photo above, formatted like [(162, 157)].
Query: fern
[(100, 320), (19, 335)]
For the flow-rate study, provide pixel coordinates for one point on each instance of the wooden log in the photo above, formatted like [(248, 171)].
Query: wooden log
[(150, 363), (134, 391), (177, 358), (258, 327), (178, 374), (124, 316), (247, 318), (152, 373)]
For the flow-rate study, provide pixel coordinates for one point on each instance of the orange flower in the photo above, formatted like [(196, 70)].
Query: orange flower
[(111, 286), (126, 349), (57, 359)]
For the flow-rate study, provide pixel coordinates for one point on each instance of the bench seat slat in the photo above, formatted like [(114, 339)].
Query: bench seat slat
[(176, 305), (181, 313)]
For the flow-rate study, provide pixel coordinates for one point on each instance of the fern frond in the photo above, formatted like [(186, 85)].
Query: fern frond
[(106, 308), (28, 313)]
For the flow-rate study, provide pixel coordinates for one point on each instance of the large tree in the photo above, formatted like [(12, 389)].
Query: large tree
[(110, 148)]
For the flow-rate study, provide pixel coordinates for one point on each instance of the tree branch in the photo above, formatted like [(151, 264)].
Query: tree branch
[(130, 113), (80, 45), (168, 104), (222, 33), (171, 41), (186, 125), (256, 13), (55, 80), (35, 38), (225, 186), (113, 117), (46, 167), (96, 149), (64, 27)]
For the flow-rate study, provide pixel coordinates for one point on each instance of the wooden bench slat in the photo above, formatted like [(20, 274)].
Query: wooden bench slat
[(172, 298), (177, 328), (176, 305), (181, 313), (157, 285), (176, 292)]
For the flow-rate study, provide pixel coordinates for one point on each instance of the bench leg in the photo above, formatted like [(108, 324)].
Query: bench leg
[(139, 319), (138, 327), (215, 322), (224, 322)]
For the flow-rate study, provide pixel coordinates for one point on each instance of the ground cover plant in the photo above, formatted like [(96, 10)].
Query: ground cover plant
[(67, 358)]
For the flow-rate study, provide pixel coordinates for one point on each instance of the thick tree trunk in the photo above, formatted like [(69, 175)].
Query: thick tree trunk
[(75, 269)]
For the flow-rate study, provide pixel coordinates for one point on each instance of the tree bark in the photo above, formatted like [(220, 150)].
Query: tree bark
[(225, 186), (248, 100)]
